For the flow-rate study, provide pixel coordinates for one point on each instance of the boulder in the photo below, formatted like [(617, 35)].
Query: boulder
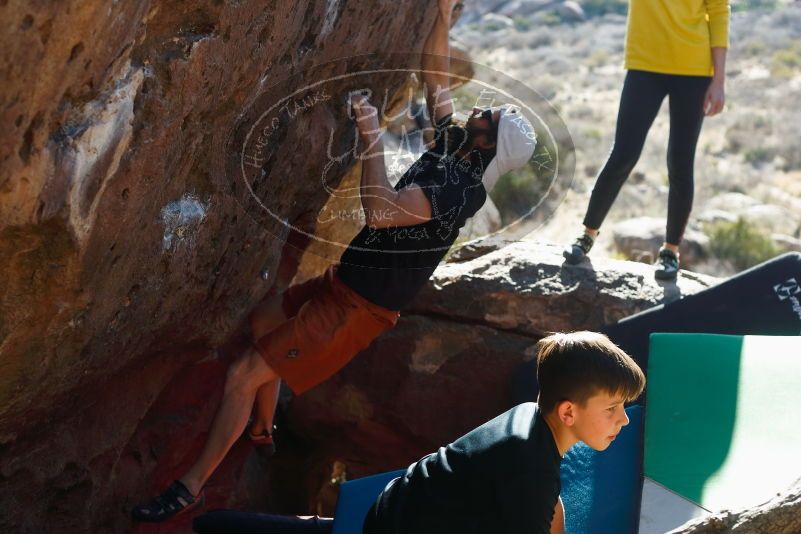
[(769, 218), (131, 242), (497, 22), (477, 247), (525, 287), (732, 202), (570, 11), (640, 238), (714, 216), (492, 11), (522, 8)]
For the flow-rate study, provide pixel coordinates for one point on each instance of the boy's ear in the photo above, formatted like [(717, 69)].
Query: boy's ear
[(566, 411)]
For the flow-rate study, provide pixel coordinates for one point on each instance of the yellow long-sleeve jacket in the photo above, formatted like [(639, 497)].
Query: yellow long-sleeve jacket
[(676, 36)]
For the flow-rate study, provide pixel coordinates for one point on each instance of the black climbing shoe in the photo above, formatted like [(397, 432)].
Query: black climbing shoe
[(667, 265), (175, 500), (579, 249)]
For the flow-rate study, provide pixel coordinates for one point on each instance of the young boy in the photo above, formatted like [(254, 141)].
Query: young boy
[(503, 477)]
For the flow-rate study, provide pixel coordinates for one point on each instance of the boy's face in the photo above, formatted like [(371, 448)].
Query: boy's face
[(599, 421)]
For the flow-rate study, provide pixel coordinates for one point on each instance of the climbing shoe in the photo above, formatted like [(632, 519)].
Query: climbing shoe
[(579, 249), (174, 501), (667, 265)]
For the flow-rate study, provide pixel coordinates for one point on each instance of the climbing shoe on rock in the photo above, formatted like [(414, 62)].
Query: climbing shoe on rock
[(667, 265), (579, 249)]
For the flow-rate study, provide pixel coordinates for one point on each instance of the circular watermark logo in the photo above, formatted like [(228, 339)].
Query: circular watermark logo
[(299, 161)]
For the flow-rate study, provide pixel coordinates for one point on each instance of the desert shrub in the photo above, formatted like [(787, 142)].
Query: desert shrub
[(493, 26), (754, 47), (759, 154), (596, 8), (522, 24), (516, 41), (751, 5), (747, 133), (515, 194), (546, 85), (740, 243), (788, 144), (540, 37), (520, 190), (786, 21), (558, 65), (787, 61), (583, 112), (547, 18), (597, 58), (593, 134)]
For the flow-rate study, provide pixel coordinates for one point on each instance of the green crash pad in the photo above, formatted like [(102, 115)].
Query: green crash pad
[(722, 418)]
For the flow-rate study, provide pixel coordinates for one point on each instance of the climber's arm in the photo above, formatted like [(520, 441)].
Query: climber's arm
[(383, 205)]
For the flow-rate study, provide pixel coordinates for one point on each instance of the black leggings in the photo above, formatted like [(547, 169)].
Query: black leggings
[(640, 100)]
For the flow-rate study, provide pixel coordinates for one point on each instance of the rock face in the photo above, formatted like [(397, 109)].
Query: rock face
[(130, 241), (448, 364)]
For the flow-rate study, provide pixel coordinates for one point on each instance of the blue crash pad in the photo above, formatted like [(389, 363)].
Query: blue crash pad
[(601, 490), (355, 499)]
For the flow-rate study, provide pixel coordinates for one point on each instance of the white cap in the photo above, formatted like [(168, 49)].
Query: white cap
[(515, 145)]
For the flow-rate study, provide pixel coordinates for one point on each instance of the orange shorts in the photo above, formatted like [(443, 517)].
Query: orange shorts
[(328, 324)]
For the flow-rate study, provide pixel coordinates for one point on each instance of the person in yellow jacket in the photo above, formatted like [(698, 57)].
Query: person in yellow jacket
[(674, 48)]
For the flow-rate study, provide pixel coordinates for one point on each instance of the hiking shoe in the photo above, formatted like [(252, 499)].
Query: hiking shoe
[(667, 265), (579, 249)]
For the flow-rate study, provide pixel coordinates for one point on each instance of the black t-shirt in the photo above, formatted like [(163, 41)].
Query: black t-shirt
[(501, 478), (388, 266)]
